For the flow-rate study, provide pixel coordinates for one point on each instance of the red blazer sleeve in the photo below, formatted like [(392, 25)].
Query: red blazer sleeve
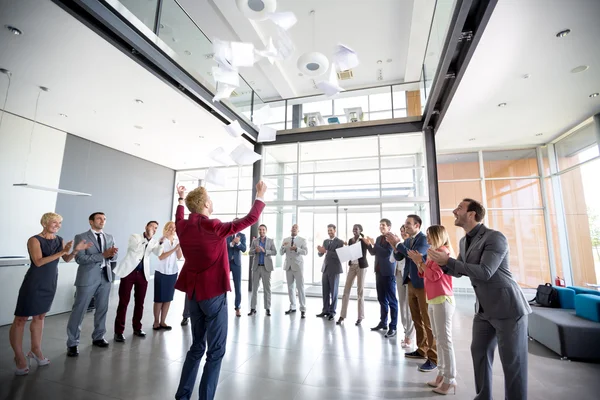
[(224, 229), (179, 214)]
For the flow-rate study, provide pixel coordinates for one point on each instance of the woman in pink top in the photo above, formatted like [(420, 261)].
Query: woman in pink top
[(440, 297)]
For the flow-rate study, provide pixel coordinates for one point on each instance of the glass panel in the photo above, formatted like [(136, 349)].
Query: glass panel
[(398, 161), (381, 101), (545, 161), (145, 11), (224, 202), (510, 163), (455, 232), (281, 188), (343, 155), (313, 223), (351, 100), (452, 193), (526, 235), (277, 119), (407, 144), (581, 197), (578, 147), (339, 185), (397, 212), (280, 159), (556, 248), (513, 193), (399, 96), (458, 166)]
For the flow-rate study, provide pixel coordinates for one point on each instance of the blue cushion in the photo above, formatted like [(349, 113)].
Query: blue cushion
[(582, 290), (566, 297), (588, 306)]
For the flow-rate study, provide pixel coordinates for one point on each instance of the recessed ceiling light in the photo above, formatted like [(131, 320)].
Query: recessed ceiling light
[(502, 105), (187, 53), (174, 121), (472, 140), (44, 89), (579, 69), (564, 33), (300, 74), (200, 137), (137, 144), (538, 134), (389, 60), (594, 95), (526, 76), (13, 30), (138, 127), (259, 90), (63, 115), (139, 101), (379, 61)]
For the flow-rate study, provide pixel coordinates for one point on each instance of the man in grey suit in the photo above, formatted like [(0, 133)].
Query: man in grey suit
[(94, 277), (262, 249), (501, 310), (332, 268), (294, 248)]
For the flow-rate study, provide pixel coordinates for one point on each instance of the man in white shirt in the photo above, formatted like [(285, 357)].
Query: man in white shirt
[(294, 248), (134, 271)]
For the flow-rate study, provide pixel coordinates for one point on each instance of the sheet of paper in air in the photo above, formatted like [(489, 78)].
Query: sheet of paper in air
[(225, 75), (242, 54), (285, 20), (234, 129), (349, 253), (266, 134), (262, 116), (331, 86), (216, 176), (221, 156), (345, 57), (284, 44), (242, 155), (270, 52), (223, 92), (222, 51)]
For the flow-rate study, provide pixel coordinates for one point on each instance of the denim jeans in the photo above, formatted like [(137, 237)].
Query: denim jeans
[(209, 326), (236, 272)]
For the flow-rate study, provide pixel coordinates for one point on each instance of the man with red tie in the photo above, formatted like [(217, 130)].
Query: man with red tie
[(385, 279), (204, 278)]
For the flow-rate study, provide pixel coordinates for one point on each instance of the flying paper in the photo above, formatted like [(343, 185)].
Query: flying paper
[(242, 54), (221, 156), (262, 116), (284, 44), (270, 52), (234, 129), (225, 75), (285, 20), (349, 253), (266, 134), (222, 51), (331, 86), (223, 92), (345, 57), (216, 176), (242, 155)]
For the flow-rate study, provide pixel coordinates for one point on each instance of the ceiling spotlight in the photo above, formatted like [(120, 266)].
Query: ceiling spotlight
[(174, 121), (564, 33), (594, 95), (139, 101), (526, 76), (257, 10), (472, 140), (502, 105), (379, 61), (138, 127), (5, 71), (63, 115), (187, 53), (200, 137), (579, 69), (137, 144), (538, 134), (13, 30), (313, 63), (389, 60), (300, 74)]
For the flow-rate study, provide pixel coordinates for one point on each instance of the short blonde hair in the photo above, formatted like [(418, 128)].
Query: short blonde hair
[(50, 216), (196, 199), (167, 227), (438, 236)]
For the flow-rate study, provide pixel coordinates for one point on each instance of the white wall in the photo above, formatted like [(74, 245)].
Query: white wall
[(21, 209)]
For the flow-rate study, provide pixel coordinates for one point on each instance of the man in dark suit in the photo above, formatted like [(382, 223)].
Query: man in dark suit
[(385, 279), (204, 278), (417, 300), (501, 310), (236, 245), (332, 268)]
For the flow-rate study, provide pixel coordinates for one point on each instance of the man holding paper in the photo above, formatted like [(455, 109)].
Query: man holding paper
[(385, 273), (332, 268), (294, 248)]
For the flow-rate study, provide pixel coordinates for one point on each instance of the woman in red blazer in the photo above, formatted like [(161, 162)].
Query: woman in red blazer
[(204, 278)]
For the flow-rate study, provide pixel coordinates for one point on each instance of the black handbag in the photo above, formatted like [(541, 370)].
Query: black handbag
[(546, 296)]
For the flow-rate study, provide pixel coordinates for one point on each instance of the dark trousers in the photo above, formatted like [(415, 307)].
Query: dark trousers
[(330, 292), (209, 326), (136, 280), (386, 295), (236, 271)]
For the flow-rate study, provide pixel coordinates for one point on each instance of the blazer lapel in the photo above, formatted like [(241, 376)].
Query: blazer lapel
[(94, 239), (475, 240), (462, 244)]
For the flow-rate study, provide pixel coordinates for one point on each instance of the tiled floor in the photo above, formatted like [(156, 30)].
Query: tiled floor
[(280, 357)]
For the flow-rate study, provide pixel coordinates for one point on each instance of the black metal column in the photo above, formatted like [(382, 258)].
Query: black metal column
[(296, 116), (432, 177)]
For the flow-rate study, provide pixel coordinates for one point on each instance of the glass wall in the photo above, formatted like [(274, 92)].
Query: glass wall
[(344, 182)]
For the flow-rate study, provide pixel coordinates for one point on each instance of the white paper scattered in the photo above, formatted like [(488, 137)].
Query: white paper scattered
[(285, 20), (270, 52), (266, 134), (221, 156), (331, 86), (345, 57), (242, 54), (234, 129), (284, 44), (223, 92), (262, 116), (225, 75), (242, 155), (216, 176), (222, 51), (349, 253)]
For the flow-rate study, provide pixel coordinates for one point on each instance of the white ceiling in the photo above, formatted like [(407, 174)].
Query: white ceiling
[(521, 39), (394, 30), (96, 85)]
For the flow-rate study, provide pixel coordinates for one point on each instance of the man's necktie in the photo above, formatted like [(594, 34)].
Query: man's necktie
[(292, 241), (99, 236)]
